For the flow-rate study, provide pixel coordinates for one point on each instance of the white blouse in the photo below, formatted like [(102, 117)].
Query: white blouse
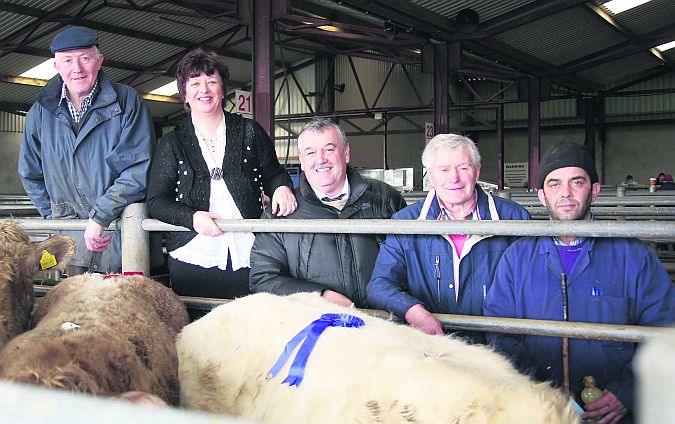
[(206, 251)]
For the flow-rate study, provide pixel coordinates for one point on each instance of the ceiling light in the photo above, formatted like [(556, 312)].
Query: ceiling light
[(618, 6), (166, 90), (330, 28), (44, 71), (664, 47)]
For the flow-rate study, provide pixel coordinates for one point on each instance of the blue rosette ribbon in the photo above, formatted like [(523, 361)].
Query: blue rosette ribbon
[(308, 337)]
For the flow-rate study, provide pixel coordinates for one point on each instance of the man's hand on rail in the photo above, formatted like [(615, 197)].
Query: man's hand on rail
[(337, 298), (93, 239), (203, 223), (608, 407), (418, 317)]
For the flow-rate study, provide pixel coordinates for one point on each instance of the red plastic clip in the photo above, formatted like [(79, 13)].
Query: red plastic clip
[(124, 274)]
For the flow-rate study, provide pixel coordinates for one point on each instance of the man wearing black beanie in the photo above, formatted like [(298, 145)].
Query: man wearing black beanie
[(608, 280)]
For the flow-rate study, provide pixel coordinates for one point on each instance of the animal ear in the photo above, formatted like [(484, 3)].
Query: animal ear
[(59, 251)]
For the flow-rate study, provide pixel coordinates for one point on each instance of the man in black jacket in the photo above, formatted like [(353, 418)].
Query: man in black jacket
[(336, 265)]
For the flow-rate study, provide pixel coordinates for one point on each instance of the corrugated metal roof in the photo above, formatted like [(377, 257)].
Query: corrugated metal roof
[(180, 27), (486, 9), (115, 74), (615, 70), (562, 37), (17, 93), (134, 50), (16, 63), (41, 4), (647, 17), (12, 22)]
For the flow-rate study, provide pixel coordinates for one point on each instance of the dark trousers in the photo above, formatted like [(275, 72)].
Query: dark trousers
[(193, 280)]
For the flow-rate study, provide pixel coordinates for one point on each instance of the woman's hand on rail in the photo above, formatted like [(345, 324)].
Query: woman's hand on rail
[(283, 201), (203, 223)]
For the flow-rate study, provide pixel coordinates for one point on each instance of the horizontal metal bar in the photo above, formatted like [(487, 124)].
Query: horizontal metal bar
[(57, 224), (641, 229), (615, 211), (576, 330), (610, 201)]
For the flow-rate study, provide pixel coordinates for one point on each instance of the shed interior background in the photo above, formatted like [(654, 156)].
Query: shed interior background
[(383, 68)]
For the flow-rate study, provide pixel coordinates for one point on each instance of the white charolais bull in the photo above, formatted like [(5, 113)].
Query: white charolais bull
[(20, 259), (379, 373)]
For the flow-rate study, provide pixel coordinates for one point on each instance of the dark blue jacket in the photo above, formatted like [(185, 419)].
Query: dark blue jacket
[(406, 271), (614, 281), (91, 170)]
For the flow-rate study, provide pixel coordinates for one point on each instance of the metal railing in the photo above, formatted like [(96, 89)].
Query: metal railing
[(134, 226)]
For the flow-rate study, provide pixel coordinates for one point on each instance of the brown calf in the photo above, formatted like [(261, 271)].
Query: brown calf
[(20, 259), (101, 336)]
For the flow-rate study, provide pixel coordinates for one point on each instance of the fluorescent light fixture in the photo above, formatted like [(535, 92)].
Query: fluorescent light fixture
[(618, 6), (166, 90), (664, 47), (44, 71)]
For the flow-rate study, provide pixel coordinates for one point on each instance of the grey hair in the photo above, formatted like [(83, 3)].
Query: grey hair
[(450, 142), (318, 125)]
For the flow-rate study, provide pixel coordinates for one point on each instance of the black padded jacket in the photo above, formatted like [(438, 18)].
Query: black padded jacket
[(286, 263)]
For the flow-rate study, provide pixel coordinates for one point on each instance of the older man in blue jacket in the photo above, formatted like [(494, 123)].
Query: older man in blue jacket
[(609, 280), (86, 149), (417, 275)]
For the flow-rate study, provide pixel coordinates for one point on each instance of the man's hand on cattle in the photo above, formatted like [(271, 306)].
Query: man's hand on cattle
[(608, 407), (93, 239), (337, 298), (203, 223), (418, 317)]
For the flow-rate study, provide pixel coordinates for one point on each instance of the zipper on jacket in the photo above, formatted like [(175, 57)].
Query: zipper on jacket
[(437, 275)]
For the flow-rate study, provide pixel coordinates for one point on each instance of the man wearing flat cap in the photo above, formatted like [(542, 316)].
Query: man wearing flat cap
[(86, 149), (609, 281)]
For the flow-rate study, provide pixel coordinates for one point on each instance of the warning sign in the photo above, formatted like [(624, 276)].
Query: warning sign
[(515, 174)]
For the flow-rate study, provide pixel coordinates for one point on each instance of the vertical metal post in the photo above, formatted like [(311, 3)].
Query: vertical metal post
[(500, 146), (602, 136), (135, 240), (441, 76), (263, 62), (324, 78), (384, 141), (533, 132), (590, 106)]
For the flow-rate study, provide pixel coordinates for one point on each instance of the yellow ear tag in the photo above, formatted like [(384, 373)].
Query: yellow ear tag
[(47, 260)]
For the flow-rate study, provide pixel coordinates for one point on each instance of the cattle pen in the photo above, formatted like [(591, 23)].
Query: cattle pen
[(135, 227)]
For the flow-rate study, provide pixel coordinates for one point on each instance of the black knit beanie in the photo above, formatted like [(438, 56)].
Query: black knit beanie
[(563, 154)]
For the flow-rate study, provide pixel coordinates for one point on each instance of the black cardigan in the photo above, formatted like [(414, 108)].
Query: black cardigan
[(180, 181)]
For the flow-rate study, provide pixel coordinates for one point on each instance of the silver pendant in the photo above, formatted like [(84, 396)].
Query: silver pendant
[(216, 174)]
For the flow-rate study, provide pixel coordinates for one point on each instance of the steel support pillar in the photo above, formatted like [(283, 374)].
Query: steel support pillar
[(533, 129), (135, 241), (263, 65), (499, 121), (602, 137), (441, 76), (590, 109), (324, 83)]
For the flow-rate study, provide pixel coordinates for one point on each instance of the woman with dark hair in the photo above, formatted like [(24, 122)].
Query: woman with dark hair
[(213, 165)]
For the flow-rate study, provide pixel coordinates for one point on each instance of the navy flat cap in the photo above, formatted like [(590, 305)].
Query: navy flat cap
[(74, 38)]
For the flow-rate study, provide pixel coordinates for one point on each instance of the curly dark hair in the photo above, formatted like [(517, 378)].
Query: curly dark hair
[(196, 62)]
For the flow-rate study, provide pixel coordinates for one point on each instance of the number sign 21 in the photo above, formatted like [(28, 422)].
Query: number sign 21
[(244, 103)]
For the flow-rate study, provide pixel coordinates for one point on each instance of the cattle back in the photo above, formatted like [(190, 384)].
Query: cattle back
[(381, 372), (101, 336)]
